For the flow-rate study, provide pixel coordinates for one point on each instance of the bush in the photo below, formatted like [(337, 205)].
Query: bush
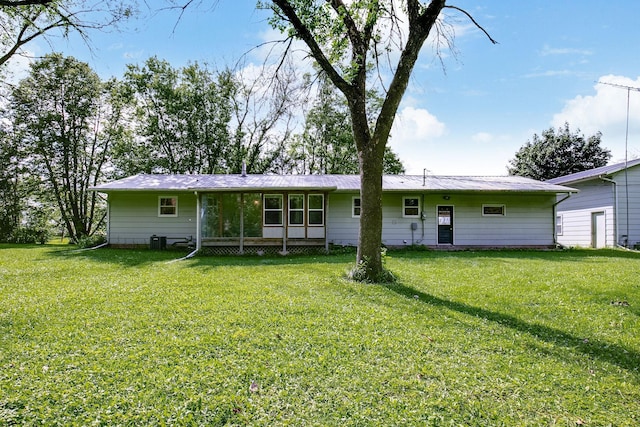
[(91, 241), (30, 235)]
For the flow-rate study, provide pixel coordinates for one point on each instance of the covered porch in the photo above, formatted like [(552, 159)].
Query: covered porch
[(261, 222)]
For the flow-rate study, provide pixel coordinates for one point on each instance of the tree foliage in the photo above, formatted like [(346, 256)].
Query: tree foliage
[(326, 145), (67, 121), (346, 40), (182, 118), (558, 152)]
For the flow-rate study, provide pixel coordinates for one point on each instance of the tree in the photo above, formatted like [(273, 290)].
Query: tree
[(558, 153), (346, 40), (326, 145), (10, 197), (22, 21), (66, 121), (183, 119)]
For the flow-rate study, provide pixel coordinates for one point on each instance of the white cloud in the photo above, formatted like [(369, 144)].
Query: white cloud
[(606, 112), (415, 126), (482, 137)]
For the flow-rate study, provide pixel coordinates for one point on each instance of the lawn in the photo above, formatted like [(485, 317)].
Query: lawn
[(123, 337)]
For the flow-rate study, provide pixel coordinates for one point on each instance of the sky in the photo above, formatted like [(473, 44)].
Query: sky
[(466, 113)]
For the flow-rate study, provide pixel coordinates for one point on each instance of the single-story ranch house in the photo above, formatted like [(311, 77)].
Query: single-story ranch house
[(255, 213), (606, 211)]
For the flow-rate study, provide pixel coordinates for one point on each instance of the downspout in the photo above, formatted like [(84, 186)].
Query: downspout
[(241, 223), (555, 216), (198, 232), (615, 207)]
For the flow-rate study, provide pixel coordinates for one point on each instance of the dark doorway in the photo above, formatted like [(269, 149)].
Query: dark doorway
[(445, 225)]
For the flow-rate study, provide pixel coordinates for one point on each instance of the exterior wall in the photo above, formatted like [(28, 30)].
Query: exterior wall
[(576, 213), (633, 229), (528, 221), (133, 218), (597, 195)]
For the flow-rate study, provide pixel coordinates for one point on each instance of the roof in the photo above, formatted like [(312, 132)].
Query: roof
[(390, 183), (594, 173)]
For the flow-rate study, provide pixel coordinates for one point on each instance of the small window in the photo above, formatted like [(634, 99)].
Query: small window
[(168, 206), (355, 207), (316, 209), (493, 210), (296, 209), (410, 207), (559, 225), (273, 209)]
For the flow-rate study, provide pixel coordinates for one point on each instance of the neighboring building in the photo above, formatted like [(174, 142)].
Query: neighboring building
[(252, 213), (606, 211)]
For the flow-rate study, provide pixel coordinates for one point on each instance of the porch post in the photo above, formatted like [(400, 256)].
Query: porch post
[(241, 223), (198, 222)]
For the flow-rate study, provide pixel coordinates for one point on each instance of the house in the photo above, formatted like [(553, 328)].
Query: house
[(254, 213), (606, 211)]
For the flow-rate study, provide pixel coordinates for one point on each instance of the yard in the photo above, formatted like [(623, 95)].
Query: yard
[(123, 337)]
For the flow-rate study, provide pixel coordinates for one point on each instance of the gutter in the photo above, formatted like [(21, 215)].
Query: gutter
[(555, 215)]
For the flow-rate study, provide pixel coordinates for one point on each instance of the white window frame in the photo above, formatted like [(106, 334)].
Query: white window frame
[(315, 210), (265, 210), (290, 210), (559, 224), (354, 207), (405, 207), (502, 207), (173, 205)]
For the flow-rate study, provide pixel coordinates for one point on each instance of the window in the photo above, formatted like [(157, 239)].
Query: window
[(316, 209), (410, 207), (168, 206), (296, 209), (494, 210), (355, 207), (559, 225), (273, 209)]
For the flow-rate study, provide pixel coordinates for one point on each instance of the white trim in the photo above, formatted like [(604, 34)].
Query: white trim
[(405, 207), (265, 210), (502, 207), (309, 210), (289, 209), (353, 206), (160, 206)]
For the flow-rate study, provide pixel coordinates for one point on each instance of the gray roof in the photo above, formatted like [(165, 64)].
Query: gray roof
[(147, 182), (594, 173)]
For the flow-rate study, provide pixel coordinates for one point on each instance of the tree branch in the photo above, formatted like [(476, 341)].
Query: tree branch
[(474, 22)]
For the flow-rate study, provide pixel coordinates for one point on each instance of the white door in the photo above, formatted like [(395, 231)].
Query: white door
[(598, 230)]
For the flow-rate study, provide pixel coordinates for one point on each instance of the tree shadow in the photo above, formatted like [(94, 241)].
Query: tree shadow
[(615, 354)]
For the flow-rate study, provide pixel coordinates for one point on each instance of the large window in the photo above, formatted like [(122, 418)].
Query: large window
[(316, 209), (221, 215), (410, 207), (168, 206), (494, 210), (296, 209), (273, 209), (355, 207)]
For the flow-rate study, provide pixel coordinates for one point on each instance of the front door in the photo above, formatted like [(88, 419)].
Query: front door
[(445, 225)]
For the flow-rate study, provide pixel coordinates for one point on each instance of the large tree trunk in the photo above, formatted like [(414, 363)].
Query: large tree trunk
[(370, 237)]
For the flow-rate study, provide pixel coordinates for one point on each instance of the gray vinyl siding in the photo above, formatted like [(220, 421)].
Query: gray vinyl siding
[(576, 212), (633, 229), (597, 195), (528, 221), (133, 218)]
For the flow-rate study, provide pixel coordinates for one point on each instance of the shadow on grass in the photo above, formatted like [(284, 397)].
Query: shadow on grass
[(611, 353), (142, 257)]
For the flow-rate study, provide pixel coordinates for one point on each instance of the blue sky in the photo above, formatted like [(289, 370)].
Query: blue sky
[(469, 118)]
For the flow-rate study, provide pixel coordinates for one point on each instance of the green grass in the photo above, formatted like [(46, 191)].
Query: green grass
[(120, 337)]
